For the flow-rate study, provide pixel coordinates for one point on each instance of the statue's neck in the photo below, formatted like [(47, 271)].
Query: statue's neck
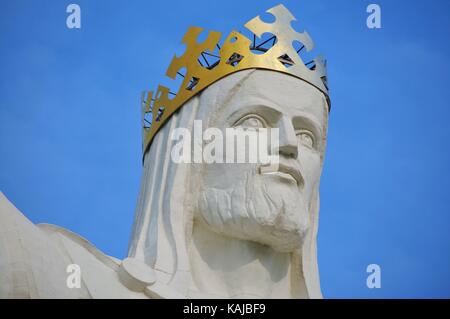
[(232, 268)]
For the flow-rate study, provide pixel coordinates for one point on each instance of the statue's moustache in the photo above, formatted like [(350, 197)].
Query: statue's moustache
[(289, 167)]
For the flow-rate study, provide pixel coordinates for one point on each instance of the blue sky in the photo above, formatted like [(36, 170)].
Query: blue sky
[(70, 139)]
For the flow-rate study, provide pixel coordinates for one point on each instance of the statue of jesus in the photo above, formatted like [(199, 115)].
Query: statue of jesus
[(203, 230)]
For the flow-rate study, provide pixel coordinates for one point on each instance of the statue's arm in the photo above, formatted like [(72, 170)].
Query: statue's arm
[(31, 264), (35, 260)]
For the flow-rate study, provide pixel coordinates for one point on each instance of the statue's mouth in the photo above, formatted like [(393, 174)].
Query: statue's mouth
[(285, 172)]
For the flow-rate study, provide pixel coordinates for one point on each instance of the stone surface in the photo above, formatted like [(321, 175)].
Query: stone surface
[(162, 291)]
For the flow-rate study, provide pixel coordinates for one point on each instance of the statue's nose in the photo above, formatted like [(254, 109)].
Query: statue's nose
[(288, 145)]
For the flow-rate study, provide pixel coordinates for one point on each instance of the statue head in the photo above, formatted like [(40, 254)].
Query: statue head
[(244, 200), (249, 202)]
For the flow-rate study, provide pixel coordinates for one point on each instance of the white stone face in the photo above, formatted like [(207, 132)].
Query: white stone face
[(240, 200)]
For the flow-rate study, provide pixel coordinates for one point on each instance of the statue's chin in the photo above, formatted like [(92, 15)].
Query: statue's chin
[(279, 237), (274, 223)]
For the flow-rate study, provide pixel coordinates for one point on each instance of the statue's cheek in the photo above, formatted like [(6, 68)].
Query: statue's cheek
[(310, 167)]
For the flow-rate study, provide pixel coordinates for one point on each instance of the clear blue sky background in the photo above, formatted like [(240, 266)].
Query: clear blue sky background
[(70, 139)]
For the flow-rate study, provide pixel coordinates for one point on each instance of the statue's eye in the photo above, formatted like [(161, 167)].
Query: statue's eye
[(305, 138), (251, 122)]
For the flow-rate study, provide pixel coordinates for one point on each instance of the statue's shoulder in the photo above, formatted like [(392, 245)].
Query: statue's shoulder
[(99, 272), (32, 265), (36, 261), (80, 244)]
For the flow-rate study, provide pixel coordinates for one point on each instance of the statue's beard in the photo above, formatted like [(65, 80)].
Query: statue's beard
[(258, 208)]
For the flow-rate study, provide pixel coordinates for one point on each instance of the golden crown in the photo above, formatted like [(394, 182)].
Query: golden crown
[(236, 53)]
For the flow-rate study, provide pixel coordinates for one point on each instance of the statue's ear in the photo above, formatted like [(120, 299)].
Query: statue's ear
[(309, 251)]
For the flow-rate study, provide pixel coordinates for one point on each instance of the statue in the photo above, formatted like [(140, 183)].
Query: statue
[(204, 230)]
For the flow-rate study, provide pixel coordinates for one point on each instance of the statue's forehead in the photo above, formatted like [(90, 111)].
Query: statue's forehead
[(286, 94)]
